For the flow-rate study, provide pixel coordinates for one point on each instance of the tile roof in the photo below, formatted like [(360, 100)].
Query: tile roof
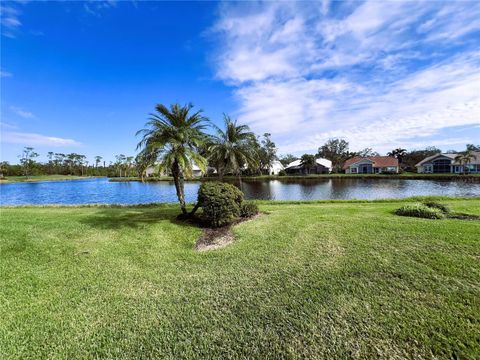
[(378, 161)]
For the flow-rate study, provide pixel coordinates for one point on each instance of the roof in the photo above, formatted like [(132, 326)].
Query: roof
[(276, 165), (320, 161), (475, 159), (431, 157), (378, 161)]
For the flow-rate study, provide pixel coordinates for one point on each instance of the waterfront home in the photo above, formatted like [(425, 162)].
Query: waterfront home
[(275, 168), (445, 163), (322, 166), (196, 171), (371, 165)]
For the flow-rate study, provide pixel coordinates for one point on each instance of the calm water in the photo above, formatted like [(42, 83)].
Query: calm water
[(102, 191)]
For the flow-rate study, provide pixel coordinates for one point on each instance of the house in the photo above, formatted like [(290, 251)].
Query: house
[(322, 166), (445, 163), (275, 168), (196, 171), (371, 165)]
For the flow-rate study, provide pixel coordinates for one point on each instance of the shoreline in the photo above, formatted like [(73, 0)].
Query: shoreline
[(447, 177), (45, 178)]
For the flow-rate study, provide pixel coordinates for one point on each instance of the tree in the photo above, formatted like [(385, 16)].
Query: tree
[(27, 160), (398, 153), (308, 161), (175, 134), (3, 168), (472, 147), (59, 161), (128, 165), (287, 159), (465, 158), (51, 166), (367, 152), (411, 158), (267, 153), (120, 163), (98, 160), (144, 160), (233, 148), (335, 150)]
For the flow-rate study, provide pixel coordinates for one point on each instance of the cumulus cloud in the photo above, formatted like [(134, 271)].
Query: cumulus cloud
[(32, 139), (376, 73)]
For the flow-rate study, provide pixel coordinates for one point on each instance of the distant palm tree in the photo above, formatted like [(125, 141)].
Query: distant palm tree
[(308, 161), (398, 153), (464, 158), (232, 148), (176, 134)]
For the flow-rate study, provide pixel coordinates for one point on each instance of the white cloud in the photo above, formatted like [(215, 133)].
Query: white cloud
[(32, 139), (9, 20), (378, 73), (4, 73), (21, 112)]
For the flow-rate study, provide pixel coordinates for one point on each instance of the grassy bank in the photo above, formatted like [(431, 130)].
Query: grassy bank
[(326, 280), (35, 178), (413, 176)]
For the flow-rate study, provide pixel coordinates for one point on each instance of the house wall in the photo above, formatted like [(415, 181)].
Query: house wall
[(354, 169)]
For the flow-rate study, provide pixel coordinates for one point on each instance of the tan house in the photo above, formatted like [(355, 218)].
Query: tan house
[(371, 165), (445, 163)]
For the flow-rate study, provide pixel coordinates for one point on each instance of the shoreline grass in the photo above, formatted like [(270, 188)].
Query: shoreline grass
[(336, 279), (40, 178)]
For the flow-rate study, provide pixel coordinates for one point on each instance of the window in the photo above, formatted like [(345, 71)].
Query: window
[(441, 166), (353, 170), (427, 168)]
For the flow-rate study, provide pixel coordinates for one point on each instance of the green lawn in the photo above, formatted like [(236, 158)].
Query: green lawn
[(33, 178), (312, 280)]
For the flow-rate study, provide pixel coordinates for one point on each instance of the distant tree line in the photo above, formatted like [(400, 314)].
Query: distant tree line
[(69, 164)]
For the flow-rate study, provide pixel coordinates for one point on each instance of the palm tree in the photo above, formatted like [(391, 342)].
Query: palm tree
[(398, 153), (232, 148), (308, 161), (175, 134), (464, 158)]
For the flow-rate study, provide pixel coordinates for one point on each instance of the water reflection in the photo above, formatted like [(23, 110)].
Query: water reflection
[(101, 191)]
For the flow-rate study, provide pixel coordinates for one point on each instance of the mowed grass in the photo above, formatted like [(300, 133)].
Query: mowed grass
[(314, 280)]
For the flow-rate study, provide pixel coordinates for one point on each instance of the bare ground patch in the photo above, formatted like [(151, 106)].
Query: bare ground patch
[(217, 238)]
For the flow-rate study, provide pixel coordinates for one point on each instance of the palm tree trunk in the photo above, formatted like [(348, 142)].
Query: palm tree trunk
[(179, 181)]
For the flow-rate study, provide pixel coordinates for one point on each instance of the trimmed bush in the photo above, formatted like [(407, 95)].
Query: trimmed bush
[(420, 210), (435, 205), (221, 202), (248, 209), (282, 173)]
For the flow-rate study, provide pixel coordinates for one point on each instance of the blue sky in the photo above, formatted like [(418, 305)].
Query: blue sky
[(83, 76)]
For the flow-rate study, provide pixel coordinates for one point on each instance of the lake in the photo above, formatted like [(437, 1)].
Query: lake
[(101, 191)]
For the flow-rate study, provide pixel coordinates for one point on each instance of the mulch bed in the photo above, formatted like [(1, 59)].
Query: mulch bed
[(216, 238)]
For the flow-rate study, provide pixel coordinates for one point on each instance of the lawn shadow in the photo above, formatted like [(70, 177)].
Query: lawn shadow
[(116, 218)]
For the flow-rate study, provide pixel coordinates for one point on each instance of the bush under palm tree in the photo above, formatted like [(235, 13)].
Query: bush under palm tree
[(175, 134)]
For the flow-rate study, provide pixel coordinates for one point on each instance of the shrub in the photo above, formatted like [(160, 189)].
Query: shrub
[(435, 205), (420, 210), (221, 202), (282, 173), (248, 209)]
